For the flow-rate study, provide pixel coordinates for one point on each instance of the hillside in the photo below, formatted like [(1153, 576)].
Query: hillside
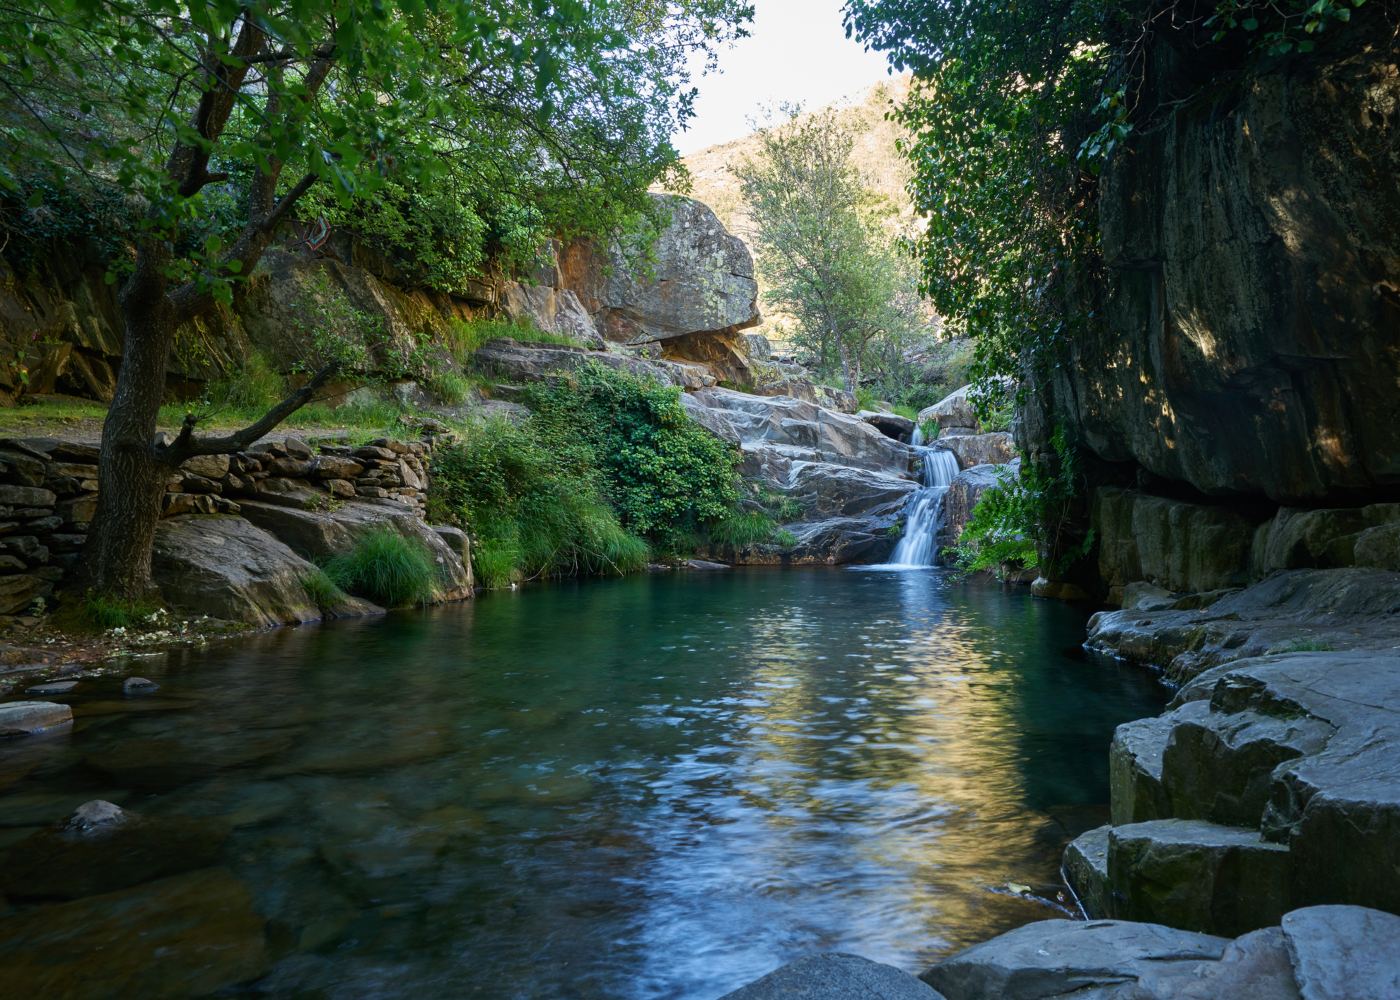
[(713, 182)]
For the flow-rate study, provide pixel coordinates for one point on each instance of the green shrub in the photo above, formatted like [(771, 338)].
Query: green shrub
[(534, 513), (669, 479), (742, 530), (449, 387), (256, 386), (1025, 516), (784, 538), (1000, 533), (387, 568)]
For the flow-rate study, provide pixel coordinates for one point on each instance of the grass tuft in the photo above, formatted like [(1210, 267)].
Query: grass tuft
[(387, 568)]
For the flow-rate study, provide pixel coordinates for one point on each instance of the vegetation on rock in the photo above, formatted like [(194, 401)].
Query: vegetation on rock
[(384, 566)]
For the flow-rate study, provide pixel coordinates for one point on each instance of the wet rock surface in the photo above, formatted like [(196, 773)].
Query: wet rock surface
[(835, 977), (190, 935), (23, 718)]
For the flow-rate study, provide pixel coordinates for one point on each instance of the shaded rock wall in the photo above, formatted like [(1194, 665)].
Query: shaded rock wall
[(1251, 245)]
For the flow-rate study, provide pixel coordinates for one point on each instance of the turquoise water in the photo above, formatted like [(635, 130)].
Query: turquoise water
[(661, 786)]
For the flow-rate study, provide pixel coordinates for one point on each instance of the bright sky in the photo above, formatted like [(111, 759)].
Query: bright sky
[(797, 52)]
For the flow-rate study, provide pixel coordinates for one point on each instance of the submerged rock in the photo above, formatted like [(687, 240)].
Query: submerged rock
[(102, 848), (186, 936), (835, 977)]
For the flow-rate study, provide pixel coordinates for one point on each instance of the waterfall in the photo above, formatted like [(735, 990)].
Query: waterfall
[(919, 543)]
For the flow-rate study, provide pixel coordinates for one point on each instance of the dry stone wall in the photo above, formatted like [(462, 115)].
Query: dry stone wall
[(48, 494)]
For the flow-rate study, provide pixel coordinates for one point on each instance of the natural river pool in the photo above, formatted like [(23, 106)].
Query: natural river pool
[(654, 787)]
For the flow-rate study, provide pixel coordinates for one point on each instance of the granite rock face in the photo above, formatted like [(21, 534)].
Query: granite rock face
[(850, 481), (513, 361), (1248, 338), (1271, 783), (699, 279)]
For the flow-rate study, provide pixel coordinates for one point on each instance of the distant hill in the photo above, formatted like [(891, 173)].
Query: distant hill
[(875, 154), (885, 170)]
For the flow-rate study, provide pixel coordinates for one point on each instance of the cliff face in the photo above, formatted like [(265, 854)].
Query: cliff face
[(1250, 341)]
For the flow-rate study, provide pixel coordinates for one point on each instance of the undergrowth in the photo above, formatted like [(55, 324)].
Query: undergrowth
[(387, 568)]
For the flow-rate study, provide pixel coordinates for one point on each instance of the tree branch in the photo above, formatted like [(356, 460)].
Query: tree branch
[(186, 445)]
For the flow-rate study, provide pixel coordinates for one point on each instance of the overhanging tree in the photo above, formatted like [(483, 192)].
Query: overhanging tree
[(218, 117)]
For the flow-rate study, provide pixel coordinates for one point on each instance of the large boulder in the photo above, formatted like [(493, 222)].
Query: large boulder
[(835, 977), (229, 568), (804, 431), (1247, 342), (695, 278), (1326, 538), (955, 413), (971, 450), (553, 310)]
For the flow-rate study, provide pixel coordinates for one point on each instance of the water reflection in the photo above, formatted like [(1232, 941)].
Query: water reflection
[(656, 787)]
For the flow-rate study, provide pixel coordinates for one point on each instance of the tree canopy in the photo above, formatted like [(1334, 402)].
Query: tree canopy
[(1016, 107), (201, 126), (827, 246)]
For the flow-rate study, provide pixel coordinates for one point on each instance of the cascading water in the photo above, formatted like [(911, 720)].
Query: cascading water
[(919, 543)]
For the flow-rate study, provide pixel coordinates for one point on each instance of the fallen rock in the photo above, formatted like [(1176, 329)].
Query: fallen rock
[(552, 310), (1085, 870), (139, 685), (228, 568), (835, 977), (23, 718)]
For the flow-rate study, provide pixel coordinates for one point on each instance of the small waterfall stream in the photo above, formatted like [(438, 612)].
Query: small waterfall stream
[(919, 543)]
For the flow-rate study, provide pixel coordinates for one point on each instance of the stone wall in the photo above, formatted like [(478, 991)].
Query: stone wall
[(48, 494)]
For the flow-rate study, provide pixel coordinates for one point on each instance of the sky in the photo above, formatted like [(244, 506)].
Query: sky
[(797, 52)]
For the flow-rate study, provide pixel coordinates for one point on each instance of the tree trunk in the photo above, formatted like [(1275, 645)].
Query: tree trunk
[(131, 476), (848, 371)]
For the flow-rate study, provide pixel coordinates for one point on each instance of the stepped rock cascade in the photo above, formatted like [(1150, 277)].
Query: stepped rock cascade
[(919, 544)]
